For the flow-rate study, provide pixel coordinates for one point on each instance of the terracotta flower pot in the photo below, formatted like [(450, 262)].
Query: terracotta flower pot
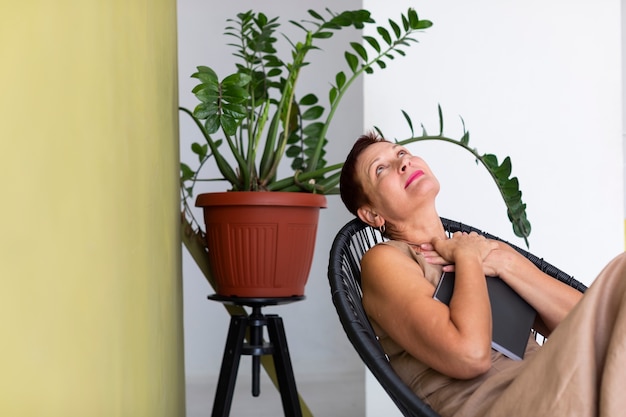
[(261, 244)]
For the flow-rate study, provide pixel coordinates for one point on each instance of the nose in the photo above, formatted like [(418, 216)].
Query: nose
[(405, 161)]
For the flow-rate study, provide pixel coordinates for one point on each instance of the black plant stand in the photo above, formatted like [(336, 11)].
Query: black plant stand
[(235, 347)]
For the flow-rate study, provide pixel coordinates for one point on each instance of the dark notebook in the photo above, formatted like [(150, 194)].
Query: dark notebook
[(512, 317)]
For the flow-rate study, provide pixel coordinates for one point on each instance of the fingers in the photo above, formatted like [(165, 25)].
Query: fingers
[(458, 243), (426, 247), (434, 258)]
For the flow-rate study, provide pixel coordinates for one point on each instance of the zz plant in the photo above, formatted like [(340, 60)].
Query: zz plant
[(255, 117)]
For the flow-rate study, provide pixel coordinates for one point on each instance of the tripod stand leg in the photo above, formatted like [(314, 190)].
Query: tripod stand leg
[(284, 370), (230, 366)]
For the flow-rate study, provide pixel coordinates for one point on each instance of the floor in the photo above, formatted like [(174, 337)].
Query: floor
[(342, 396)]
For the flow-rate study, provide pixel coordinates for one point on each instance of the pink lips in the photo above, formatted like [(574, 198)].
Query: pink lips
[(413, 177)]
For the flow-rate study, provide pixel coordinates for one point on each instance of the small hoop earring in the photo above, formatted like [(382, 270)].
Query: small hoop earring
[(382, 229)]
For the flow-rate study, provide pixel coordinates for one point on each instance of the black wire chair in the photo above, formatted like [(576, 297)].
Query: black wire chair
[(344, 275)]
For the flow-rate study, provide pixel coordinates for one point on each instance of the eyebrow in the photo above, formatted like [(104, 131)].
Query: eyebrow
[(369, 167)]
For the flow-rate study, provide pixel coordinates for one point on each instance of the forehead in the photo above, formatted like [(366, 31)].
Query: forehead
[(376, 150)]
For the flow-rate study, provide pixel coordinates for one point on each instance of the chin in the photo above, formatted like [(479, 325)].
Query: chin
[(430, 186)]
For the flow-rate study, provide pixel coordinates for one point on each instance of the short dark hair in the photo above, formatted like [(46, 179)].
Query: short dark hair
[(351, 190)]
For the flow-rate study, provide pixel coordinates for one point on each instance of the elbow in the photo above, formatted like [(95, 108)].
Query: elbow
[(474, 363), (479, 367)]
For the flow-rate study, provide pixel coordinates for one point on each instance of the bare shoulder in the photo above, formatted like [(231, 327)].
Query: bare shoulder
[(382, 257), (389, 273)]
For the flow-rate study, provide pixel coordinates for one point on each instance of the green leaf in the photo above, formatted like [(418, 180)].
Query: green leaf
[(344, 19), (353, 61), (199, 150), (212, 123), (206, 88), (385, 34), (293, 151), (491, 161), (405, 23), (315, 15), (340, 79), (270, 61), (205, 74), (373, 43), (362, 16), (322, 35), (396, 28), (186, 173), (424, 24), (510, 187), (308, 100), (331, 25), (237, 79), (229, 124), (208, 98), (332, 95), (203, 110), (515, 204), (311, 142), (414, 20), (297, 164), (235, 111), (234, 94), (313, 113), (294, 138), (440, 120), (504, 170), (359, 50), (298, 25), (308, 152), (313, 129), (521, 228), (409, 122)]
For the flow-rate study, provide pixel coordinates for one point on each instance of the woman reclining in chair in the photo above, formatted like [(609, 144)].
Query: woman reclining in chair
[(444, 353)]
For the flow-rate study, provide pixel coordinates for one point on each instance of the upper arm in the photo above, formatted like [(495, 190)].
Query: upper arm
[(400, 299)]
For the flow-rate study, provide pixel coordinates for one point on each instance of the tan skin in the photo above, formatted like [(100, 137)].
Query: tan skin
[(454, 340)]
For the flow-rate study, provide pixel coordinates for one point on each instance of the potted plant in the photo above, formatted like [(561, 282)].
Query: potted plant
[(255, 117)]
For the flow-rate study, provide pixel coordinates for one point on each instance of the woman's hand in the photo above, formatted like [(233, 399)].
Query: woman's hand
[(501, 257), (462, 244), (430, 254)]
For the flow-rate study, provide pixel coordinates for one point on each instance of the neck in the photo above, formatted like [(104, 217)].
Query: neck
[(419, 229)]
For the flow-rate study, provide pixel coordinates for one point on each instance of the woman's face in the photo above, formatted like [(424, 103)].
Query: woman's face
[(395, 182)]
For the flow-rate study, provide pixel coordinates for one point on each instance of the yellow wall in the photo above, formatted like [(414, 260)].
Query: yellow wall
[(90, 287)]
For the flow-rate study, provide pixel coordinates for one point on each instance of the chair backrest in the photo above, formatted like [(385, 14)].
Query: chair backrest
[(344, 275)]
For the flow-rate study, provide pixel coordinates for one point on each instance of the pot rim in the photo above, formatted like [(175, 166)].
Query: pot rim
[(262, 198)]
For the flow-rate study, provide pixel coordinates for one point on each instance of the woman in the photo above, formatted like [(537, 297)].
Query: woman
[(444, 352)]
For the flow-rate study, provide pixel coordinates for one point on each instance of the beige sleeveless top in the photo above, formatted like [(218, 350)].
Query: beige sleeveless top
[(449, 396)]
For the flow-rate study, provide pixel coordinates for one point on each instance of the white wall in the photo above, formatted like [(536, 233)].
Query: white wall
[(317, 342), (537, 80)]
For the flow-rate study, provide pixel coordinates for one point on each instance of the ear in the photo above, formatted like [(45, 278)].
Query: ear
[(370, 217)]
